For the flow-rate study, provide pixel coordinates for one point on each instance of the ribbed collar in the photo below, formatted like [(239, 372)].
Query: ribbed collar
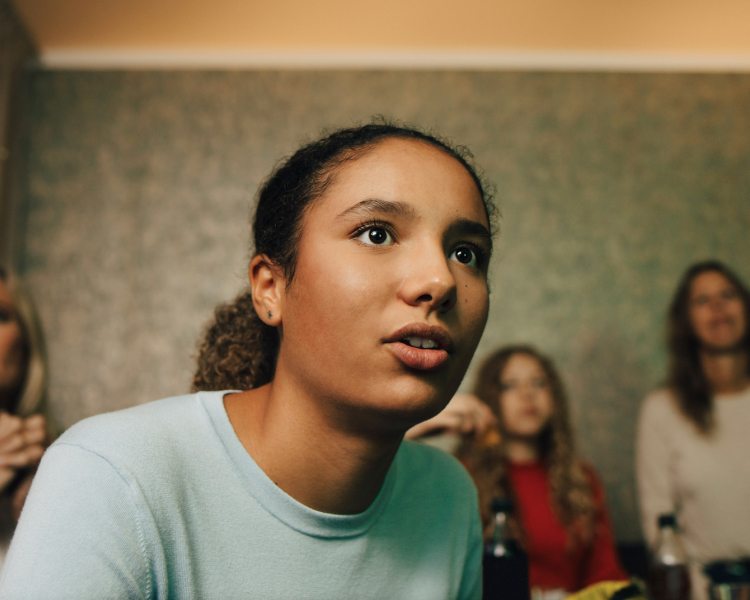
[(275, 500)]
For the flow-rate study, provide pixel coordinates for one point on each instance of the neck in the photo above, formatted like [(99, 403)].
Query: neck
[(521, 450), (307, 453), (726, 371)]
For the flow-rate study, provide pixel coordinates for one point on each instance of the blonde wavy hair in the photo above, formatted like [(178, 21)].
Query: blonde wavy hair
[(32, 394), (572, 494)]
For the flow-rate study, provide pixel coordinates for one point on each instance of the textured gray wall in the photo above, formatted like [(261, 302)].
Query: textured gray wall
[(140, 186), (16, 51)]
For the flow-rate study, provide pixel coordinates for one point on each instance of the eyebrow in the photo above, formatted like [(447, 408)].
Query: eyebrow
[(371, 206), (376, 205), (461, 227)]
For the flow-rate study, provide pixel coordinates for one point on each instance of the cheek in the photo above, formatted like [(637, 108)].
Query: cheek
[(474, 307), (696, 318), (507, 406), (474, 297), (547, 407), (482, 311), (739, 310), (328, 299)]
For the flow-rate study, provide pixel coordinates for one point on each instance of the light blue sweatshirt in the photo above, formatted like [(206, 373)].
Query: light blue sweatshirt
[(163, 501)]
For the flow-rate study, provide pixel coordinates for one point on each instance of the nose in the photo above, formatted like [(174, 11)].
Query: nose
[(716, 302), (528, 389), (428, 280)]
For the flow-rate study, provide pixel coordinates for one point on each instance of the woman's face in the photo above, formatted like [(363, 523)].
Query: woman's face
[(11, 343), (716, 312), (389, 297), (526, 403)]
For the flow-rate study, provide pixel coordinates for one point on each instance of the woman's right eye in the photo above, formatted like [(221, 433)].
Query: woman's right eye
[(700, 300), (374, 235)]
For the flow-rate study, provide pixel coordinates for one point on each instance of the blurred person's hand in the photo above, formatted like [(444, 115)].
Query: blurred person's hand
[(22, 443), (465, 414)]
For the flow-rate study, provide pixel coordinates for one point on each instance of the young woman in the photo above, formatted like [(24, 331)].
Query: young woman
[(369, 295), (22, 384), (693, 435), (560, 514)]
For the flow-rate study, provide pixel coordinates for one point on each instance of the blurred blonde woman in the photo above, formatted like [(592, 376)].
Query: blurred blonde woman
[(23, 429)]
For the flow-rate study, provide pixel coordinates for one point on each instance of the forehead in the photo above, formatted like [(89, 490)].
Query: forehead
[(410, 171), (521, 362), (708, 281)]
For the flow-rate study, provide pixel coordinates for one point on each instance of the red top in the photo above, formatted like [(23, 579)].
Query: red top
[(552, 563)]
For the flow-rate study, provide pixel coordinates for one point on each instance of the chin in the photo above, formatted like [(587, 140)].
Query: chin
[(396, 419), (417, 407), (415, 400), (722, 346), (527, 432)]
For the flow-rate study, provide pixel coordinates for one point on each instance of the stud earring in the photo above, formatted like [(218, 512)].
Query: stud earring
[(270, 314)]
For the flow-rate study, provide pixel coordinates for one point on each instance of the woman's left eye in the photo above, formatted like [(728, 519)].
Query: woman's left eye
[(730, 294), (375, 235), (466, 255)]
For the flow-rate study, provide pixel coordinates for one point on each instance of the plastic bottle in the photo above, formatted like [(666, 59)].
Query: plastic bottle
[(669, 578), (506, 567)]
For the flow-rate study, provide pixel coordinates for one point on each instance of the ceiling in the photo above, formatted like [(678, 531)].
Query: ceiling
[(689, 32)]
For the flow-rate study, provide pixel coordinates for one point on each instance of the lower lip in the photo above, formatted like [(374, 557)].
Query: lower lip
[(420, 359), (721, 323), (721, 327)]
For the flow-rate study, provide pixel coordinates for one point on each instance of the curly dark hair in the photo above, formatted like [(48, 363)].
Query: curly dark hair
[(570, 481), (238, 350), (686, 377)]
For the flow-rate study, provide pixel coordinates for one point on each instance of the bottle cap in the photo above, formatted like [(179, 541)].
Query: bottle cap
[(667, 520), (501, 505)]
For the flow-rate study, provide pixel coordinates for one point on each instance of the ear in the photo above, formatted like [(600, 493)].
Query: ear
[(267, 283)]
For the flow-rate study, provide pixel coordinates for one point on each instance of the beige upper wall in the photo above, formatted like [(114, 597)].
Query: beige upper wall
[(697, 27)]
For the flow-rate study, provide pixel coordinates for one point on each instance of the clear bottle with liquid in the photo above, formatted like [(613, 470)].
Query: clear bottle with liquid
[(506, 566), (668, 578)]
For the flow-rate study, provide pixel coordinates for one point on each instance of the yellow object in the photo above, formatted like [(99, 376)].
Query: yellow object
[(604, 590)]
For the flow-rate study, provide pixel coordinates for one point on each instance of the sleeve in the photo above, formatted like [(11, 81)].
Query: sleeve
[(80, 534), (653, 455), (603, 563), (471, 582)]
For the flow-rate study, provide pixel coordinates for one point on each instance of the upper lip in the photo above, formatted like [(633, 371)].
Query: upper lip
[(421, 330)]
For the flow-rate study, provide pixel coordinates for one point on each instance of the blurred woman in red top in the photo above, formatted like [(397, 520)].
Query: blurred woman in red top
[(561, 518)]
